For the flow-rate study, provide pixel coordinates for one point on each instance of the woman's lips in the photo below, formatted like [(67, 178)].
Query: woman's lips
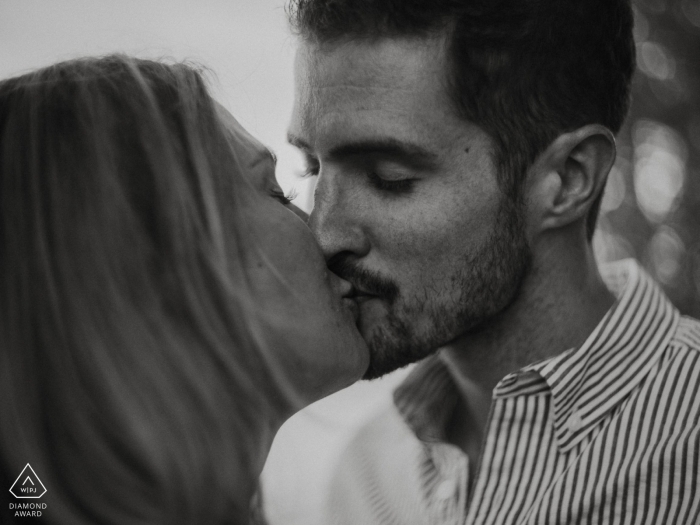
[(353, 298), (352, 305)]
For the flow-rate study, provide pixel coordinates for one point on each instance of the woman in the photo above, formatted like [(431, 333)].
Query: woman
[(162, 309)]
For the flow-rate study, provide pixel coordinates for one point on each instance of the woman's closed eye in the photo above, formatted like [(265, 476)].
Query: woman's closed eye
[(284, 198)]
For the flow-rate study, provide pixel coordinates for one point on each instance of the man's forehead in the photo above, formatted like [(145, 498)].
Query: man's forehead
[(370, 91), (377, 63)]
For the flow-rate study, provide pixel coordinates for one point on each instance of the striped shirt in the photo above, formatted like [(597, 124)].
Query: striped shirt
[(605, 433)]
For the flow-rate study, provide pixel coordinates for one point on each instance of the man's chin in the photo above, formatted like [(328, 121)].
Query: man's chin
[(389, 351), (380, 367), (391, 337), (378, 370)]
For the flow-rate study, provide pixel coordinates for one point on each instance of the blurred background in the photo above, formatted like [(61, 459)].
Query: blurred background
[(651, 209)]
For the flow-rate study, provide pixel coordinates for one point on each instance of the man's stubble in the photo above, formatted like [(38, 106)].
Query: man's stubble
[(481, 287)]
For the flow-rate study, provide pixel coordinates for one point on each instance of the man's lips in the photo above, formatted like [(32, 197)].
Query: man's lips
[(354, 299), (363, 298), (359, 295)]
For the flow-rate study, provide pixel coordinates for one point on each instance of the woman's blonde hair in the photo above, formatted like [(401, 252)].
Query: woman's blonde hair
[(130, 377)]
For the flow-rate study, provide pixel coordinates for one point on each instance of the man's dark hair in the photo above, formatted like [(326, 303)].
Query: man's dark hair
[(524, 70)]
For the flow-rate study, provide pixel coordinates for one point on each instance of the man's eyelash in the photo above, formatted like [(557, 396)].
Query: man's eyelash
[(311, 170), (393, 186), (308, 172)]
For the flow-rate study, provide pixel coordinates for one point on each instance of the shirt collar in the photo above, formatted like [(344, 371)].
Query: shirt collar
[(426, 400), (585, 383)]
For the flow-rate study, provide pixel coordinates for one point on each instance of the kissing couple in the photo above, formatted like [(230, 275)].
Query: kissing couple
[(164, 306)]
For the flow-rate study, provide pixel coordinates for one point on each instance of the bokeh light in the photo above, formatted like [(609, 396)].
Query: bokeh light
[(641, 26), (660, 156), (691, 10), (609, 246), (655, 61), (665, 252)]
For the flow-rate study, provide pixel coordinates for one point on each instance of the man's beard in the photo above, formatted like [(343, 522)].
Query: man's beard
[(485, 284)]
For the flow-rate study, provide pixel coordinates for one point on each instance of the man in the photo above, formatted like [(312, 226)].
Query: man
[(462, 148)]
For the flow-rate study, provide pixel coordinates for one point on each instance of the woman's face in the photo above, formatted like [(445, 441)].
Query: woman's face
[(309, 325)]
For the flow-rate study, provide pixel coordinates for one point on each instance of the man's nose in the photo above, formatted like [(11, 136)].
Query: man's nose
[(336, 219)]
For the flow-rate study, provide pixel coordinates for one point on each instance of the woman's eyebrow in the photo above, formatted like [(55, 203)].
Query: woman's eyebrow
[(261, 158)]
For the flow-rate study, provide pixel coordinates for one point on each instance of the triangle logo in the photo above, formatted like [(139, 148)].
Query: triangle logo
[(28, 484)]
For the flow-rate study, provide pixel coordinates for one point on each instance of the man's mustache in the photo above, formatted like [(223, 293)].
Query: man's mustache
[(365, 282)]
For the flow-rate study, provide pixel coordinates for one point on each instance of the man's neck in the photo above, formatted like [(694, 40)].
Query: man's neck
[(556, 310)]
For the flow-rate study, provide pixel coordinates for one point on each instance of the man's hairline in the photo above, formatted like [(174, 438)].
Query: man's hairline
[(443, 33)]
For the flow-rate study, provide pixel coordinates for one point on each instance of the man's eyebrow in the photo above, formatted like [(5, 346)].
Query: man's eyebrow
[(297, 142), (389, 147)]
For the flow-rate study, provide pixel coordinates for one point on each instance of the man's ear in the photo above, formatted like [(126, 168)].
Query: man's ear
[(569, 175)]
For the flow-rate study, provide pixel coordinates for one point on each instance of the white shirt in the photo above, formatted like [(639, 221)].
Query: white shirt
[(605, 433)]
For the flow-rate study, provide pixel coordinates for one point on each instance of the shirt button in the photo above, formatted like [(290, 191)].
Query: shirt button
[(575, 422), (445, 490), (509, 380)]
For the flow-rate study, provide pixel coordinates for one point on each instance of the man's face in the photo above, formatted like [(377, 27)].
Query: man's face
[(407, 203)]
